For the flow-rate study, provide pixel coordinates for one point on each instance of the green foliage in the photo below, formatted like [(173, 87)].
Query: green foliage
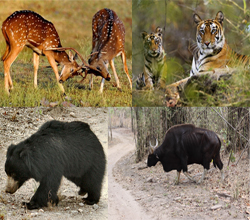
[(148, 98), (172, 71), (228, 91)]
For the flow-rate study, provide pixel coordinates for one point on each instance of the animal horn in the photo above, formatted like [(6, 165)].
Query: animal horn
[(70, 48), (96, 53), (93, 54), (152, 148), (86, 65)]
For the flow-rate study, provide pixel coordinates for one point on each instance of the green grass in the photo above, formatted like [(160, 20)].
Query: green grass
[(233, 91), (142, 98), (172, 72), (24, 93), (201, 92), (73, 21)]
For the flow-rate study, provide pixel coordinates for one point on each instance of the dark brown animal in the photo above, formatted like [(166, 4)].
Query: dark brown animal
[(27, 28), (107, 43), (186, 144)]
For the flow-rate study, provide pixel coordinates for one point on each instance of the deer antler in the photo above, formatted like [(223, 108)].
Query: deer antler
[(95, 53), (70, 48), (86, 66)]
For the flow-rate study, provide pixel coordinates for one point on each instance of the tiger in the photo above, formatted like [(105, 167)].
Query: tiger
[(212, 50), (154, 59)]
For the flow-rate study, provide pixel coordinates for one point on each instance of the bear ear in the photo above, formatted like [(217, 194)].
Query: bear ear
[(24, 154), (10, 150)]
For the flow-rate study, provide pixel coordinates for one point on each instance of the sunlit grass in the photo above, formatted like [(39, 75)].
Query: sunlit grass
[(24, 93)]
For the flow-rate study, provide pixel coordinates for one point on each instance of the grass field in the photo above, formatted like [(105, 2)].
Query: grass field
[(73, 21)]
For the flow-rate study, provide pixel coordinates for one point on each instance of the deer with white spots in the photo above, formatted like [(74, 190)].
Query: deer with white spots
[(107, 43), (27, 28)]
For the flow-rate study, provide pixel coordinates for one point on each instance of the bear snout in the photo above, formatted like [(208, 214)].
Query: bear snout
[(11, 186)]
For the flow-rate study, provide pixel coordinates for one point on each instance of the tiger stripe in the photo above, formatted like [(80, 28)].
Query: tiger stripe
[(154, 59)]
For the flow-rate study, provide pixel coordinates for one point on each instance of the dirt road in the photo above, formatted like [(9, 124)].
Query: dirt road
[(122, 205)]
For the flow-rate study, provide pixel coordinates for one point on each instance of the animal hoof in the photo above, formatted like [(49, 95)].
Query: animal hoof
[(176, 182)]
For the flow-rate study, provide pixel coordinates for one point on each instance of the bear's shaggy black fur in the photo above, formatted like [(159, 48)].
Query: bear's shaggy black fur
[(57, 149)]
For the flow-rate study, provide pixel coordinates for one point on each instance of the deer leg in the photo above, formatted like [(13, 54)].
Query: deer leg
[(111, 62), (36, 64), (102, 84), (7, 64), (126, 68), (55, 69), (91, 82), (7, 51), (103, 80)]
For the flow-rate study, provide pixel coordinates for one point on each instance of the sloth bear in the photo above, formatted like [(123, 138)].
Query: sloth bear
[(57, 149)]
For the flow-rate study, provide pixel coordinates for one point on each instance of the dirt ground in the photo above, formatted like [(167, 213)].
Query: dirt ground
[(155, 191), (16, 124), (122, 204)]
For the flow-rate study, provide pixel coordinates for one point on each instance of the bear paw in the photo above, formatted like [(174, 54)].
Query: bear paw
[(89, 202), (82, 193), (30, 205)]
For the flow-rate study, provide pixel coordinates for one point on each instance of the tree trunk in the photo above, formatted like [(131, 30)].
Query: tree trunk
[(139, 143)]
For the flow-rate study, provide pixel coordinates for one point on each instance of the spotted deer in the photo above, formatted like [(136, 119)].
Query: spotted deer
[(107, 43), (27, 28)]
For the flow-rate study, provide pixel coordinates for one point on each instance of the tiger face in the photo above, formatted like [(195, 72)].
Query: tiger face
[(153, 43), (209, 36)]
